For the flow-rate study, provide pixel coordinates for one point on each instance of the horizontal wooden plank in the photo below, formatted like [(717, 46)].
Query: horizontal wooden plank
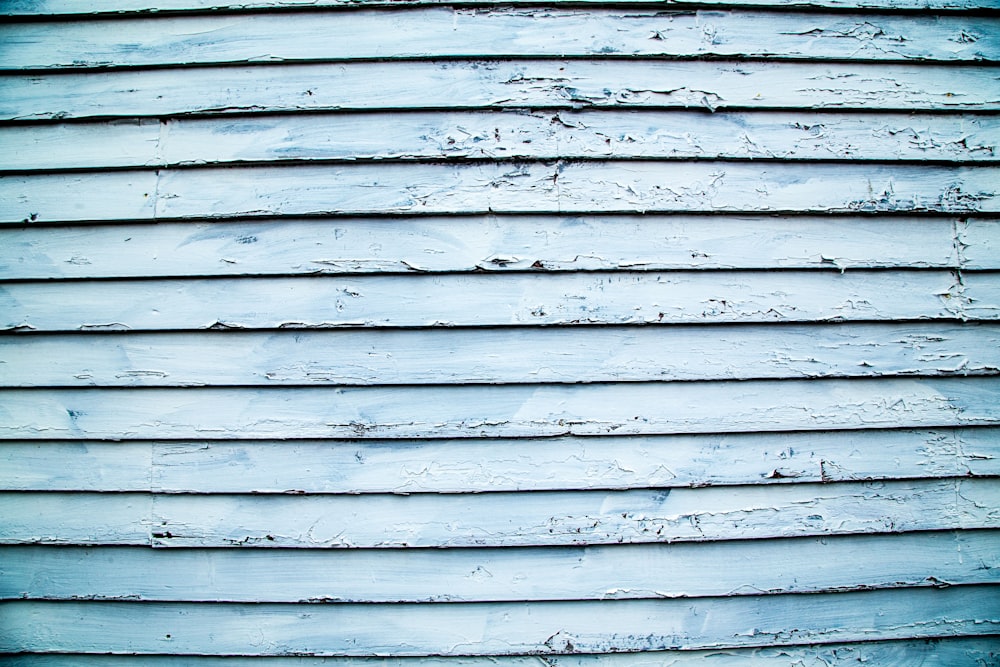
[(491, 187), (808, 565), (480, 465), (435, 32), (560, 84), (477, 356), (497, 410), (560, 518), (937, 652), (684, 570), (607, 133), (541, 518), (497, 300), (80, 518), (97, 7), (496, 244), (499, 628)]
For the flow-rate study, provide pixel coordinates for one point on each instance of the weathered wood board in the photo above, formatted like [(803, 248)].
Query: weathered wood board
[(936, 652), (496, 244), (536, 299), (436, 32), (556, 84), (498, 410), (498, 187), (481, 355), (498, 628), (491, 135), (562, 518), (595, 134), (113, 7), (574, 573), (498, 464)]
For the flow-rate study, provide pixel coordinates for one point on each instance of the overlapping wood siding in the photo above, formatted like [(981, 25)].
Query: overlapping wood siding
[(581, 334)]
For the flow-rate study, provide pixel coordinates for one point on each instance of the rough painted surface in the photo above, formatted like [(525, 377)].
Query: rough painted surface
[(498, 410), (472, 356), (558, 84), (321, 333), (937, 652), (499, 628), (496, 244), (586, 573), (498, 464), (607, 133), (442, 32), (570, 187), (69, 7), (534, 299)]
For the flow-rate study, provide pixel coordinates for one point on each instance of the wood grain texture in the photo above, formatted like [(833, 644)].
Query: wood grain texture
[(491, 187), (97, 7), (808, 565), (558, 84), (496, 244), (541, 518), (481, 299), (498, 410), (497, 629), (498, 464), (937, 652), (435, 32), (485, 135), (482, 356)]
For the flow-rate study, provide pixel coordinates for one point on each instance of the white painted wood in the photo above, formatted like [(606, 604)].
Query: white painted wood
[(494, 243), (567, 518), (70, 7), (76, 466), (498, 410), (560, 84), (491, 300), (608, 133), (78, 518), (497, 629), (983, 237), (434, 32), (453, 466), (617, 572), (570, 463), (542, 518), (564, 187), (937, 652), (476, 356)]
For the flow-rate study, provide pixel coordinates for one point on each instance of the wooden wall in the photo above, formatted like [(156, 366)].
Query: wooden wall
[(576, 334)]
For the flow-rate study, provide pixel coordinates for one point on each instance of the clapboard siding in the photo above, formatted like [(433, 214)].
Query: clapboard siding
[(936, 652), (498, 410), (431, 32), (473, 356), (552, 519), (499, 628), (500, 84), (470, 575), (654, 298), (494, 243), (498, 187), (564, 518), (486, 135), (322, 333), (481, 465), (30, 8)]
